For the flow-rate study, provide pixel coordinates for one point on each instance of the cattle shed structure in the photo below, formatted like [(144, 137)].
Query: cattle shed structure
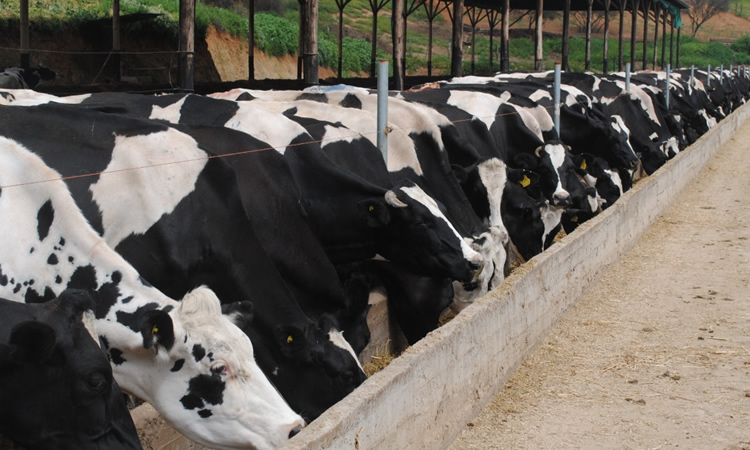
[(664, 13), (423, 399)]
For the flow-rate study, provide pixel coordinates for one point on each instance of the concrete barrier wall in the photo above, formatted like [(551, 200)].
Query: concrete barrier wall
[(424, 398)]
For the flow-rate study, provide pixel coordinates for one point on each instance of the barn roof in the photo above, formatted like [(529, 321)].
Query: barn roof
[(559, 5)]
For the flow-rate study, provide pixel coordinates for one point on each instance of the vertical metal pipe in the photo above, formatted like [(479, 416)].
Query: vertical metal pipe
[(708, 83), (692, 75), (383, 108), (557, 97), (721, 74), (669, 70), (627, 78)]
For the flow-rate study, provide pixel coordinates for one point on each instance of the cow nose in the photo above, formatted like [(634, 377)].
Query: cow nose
[(295, 431), (561, 198)]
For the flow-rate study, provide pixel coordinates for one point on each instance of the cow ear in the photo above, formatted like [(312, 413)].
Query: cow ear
[(373, 213), (32, 341), (157, 329), (293, 342), (240, 313)]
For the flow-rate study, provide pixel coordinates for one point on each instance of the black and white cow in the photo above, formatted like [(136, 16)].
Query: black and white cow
[(221, 250), (56, 384), (18, 78), (185, 358)]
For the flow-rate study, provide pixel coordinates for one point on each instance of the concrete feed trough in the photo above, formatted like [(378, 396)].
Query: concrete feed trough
[(424, 398)]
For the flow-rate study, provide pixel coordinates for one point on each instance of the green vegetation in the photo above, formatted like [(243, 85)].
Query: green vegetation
[(276, 33)]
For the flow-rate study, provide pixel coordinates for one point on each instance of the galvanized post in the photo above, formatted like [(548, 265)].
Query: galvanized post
[(669, 69), (708, 83), (383, 108), (692, 75), (721, 74), (627, 78), (557, 97)]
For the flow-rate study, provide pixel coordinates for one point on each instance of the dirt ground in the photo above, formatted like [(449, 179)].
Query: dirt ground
[(657, 353)]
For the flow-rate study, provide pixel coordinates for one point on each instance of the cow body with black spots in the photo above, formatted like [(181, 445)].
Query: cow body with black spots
[(185, 358), (56, 385)]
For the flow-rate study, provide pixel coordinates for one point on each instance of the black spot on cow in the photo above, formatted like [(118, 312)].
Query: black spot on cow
[(62, 242), (131, 321), (32, 296), (115, 355), (71, 259), (205, 413), (127, 299), (351, 101), (52, 260), (58, 279), (168, 309), (177, 365), (17, 288), (31, 250), (211, 356), (245, 96), (44, 218), (144, 282), (3, 277), (204, 389), (320, 98), (109, 292), (116, 276), (198, 352)]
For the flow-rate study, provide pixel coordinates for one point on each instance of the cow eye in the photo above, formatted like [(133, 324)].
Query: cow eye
[(219, 369), (96, 381)]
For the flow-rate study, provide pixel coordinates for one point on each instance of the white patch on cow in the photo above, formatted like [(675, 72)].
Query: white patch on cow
[(654, 136), (620, 127), (551, 216), (482, 106), (557, 155), (573, 94), (670, 146), (337, 338), (89, 322), (264, 121), (710, 121), (616, 180), (541, 94), (150, 174), (338, 134), (469, 79), (494, 175), (416, 193), (531, 118), (170, 113), (28, 97)]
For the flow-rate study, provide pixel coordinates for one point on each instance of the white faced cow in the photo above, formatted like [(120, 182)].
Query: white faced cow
[(185, 358)]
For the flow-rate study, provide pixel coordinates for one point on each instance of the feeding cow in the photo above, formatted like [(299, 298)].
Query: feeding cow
[(56, 385), (185, 358)]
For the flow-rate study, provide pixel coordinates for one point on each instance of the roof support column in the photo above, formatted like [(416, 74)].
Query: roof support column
[(458, 35), (116, 41), (663, 37), (656, 35), (677, 50), (398, 21), (620, 36), (646, 9), (633, 27), (251, 40), (588, 35), (505, 39), (566, 36), (671, 41), (605, 53), (310, 43), (25, 59), (186, 61), (539, 54)]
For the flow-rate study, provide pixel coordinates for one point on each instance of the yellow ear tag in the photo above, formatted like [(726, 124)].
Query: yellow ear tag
[(574, 219), (154, 330), (289, 339), (526, 181), (583, 165), (372, 208)]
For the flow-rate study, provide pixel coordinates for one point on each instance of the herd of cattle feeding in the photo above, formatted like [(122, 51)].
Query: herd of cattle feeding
[(272, 215)]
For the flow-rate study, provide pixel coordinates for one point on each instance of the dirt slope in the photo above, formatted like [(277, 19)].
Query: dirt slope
[(657, 354)]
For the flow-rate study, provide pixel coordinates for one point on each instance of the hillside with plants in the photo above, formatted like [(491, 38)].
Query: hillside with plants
[(75, 35)]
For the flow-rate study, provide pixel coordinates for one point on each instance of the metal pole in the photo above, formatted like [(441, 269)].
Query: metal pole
[(692, 76), (721, 74), (557, 97), (708, 83), (627, 78), (669, 69), (383, 108)]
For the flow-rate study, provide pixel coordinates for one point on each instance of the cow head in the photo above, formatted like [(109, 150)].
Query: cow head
[(310, 363), (56, 385), (522, 212), (198, 367), (413, 230)]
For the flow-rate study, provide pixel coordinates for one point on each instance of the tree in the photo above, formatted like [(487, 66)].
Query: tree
[(702, 10)]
